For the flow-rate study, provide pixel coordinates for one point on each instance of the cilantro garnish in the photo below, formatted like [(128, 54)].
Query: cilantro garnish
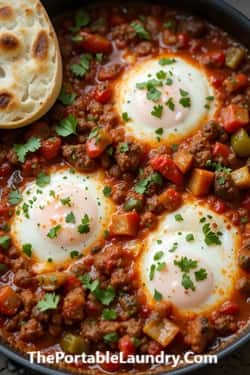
[(157, 111), (211, 238), (157, 295), (82, 68), (74, 254), (178, 217), (27, 249), (66, 201), (201, 274), (67, 126), (141, 32), (109, 314), (142, 185), (158, 255), (185, 264), (107, 191), (189, 237), (217, 167), (125, 117), (70, 218), (4, 242), (170, 104), (32, 145), (111, 338), (152, 272), (84, 226), (66, 98), (124, 147), (166, 61), (161, 74), (82, 19), (50, 301), (187, 283), (42, 179), (105, 296), (54, 232)]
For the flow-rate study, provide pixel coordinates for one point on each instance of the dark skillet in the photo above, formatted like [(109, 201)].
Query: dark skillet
[(238, 25)]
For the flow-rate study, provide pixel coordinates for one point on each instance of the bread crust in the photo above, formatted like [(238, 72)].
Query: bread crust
[(30, 63)]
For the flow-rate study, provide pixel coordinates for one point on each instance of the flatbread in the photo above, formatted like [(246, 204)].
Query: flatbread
[(30, 63)]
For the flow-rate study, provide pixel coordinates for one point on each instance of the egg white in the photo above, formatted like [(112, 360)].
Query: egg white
[(175, 124), (42, 209), (219, 260)]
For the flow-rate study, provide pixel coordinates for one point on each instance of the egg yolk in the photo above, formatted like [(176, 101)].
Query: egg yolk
[(64, 213)]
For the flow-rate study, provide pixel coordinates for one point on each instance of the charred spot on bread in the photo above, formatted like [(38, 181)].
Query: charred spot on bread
[(9, 42), (41, 46), (5, 99), (6, 13)]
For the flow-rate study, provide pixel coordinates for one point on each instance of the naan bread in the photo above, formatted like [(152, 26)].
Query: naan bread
[(30, 63)]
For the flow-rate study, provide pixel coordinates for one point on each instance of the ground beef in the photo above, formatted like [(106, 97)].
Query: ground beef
[(120, 278), (148, 220), (23, 278), (224, 324), (109, 117), (244, 255), (31, 331), (119, 192), (199, 334), (196, 28), (127, 306), (124, 32), (76, 155), (133, 327), (128, 160), (224, 186), (153, 204), (243, 285), (212, 131), (28, 299), (56, 326), (90, 330), (73, 305), (200, 149), (109, 72), (3, 153), (108, 259), (144, 48)]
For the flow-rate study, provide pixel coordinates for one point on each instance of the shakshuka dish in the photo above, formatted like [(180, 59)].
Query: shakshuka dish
[(125, 211)]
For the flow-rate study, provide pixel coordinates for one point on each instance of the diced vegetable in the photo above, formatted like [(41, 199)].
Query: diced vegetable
[(219, 149), (229, 307), (240, 142), (161, 330), (200, 181), (133, 204), (52, 280), (98, 140), (234, 57), (216, 57), (234, 117), (170, 199), (74, 344), (183, 159), (126, 346), (94, 43), (102, 95), (241, 177), (236, 82), (166, 166), (51, 147), (9, 301), (125, 224)]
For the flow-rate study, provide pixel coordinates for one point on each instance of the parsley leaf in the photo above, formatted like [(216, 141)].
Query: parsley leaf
[(185, 102), (125, 117), (153, 94), (152, 272), (161, 74), (166, 61), (111, 338), (4, 242), (27, 249), (124, 147), (211, 238), (74, 254), (42, 179), (84, 226), (142, 185), (70, 218), (82, 19), (178, 217), (187, 283), (174, 247), (14, 197), (65, 98), (54, 232), (50, 301), (170, 104), (161, 266), (157, 295), (32, 145), (141, 32), (185, 264), (67, 126), (157, 111), (109, 314), (107, 191), (105, 296), (189, 237), (80, 69), (158, 255), (66, 201), (200, 274)]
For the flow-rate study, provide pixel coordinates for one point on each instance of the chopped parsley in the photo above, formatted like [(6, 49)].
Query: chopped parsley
[(185, 264), (161, 74), (84, 226), (50, 301), (142, 185), (125, 117), (160, 266), (42, 179), (67, 126), (124, 147), (152, 272), (14, 197), (170, 104), (178, 217), (74, 254), (159, 131), (54, 232), (211, 238), (201, 274), (107, 191), (66, 201), (157, 295), (157, 111), (27, 249), (158, 255), (141, 32), (4, 242), (185, 102), (70, 218), (82, 68), (109, 314), (153, 94), (66, 98), (174, 247), (187, 283), (166, 61), (82, 19), (111, 338), (105, 296), (189, 237), (32, 145), (217, 167)]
